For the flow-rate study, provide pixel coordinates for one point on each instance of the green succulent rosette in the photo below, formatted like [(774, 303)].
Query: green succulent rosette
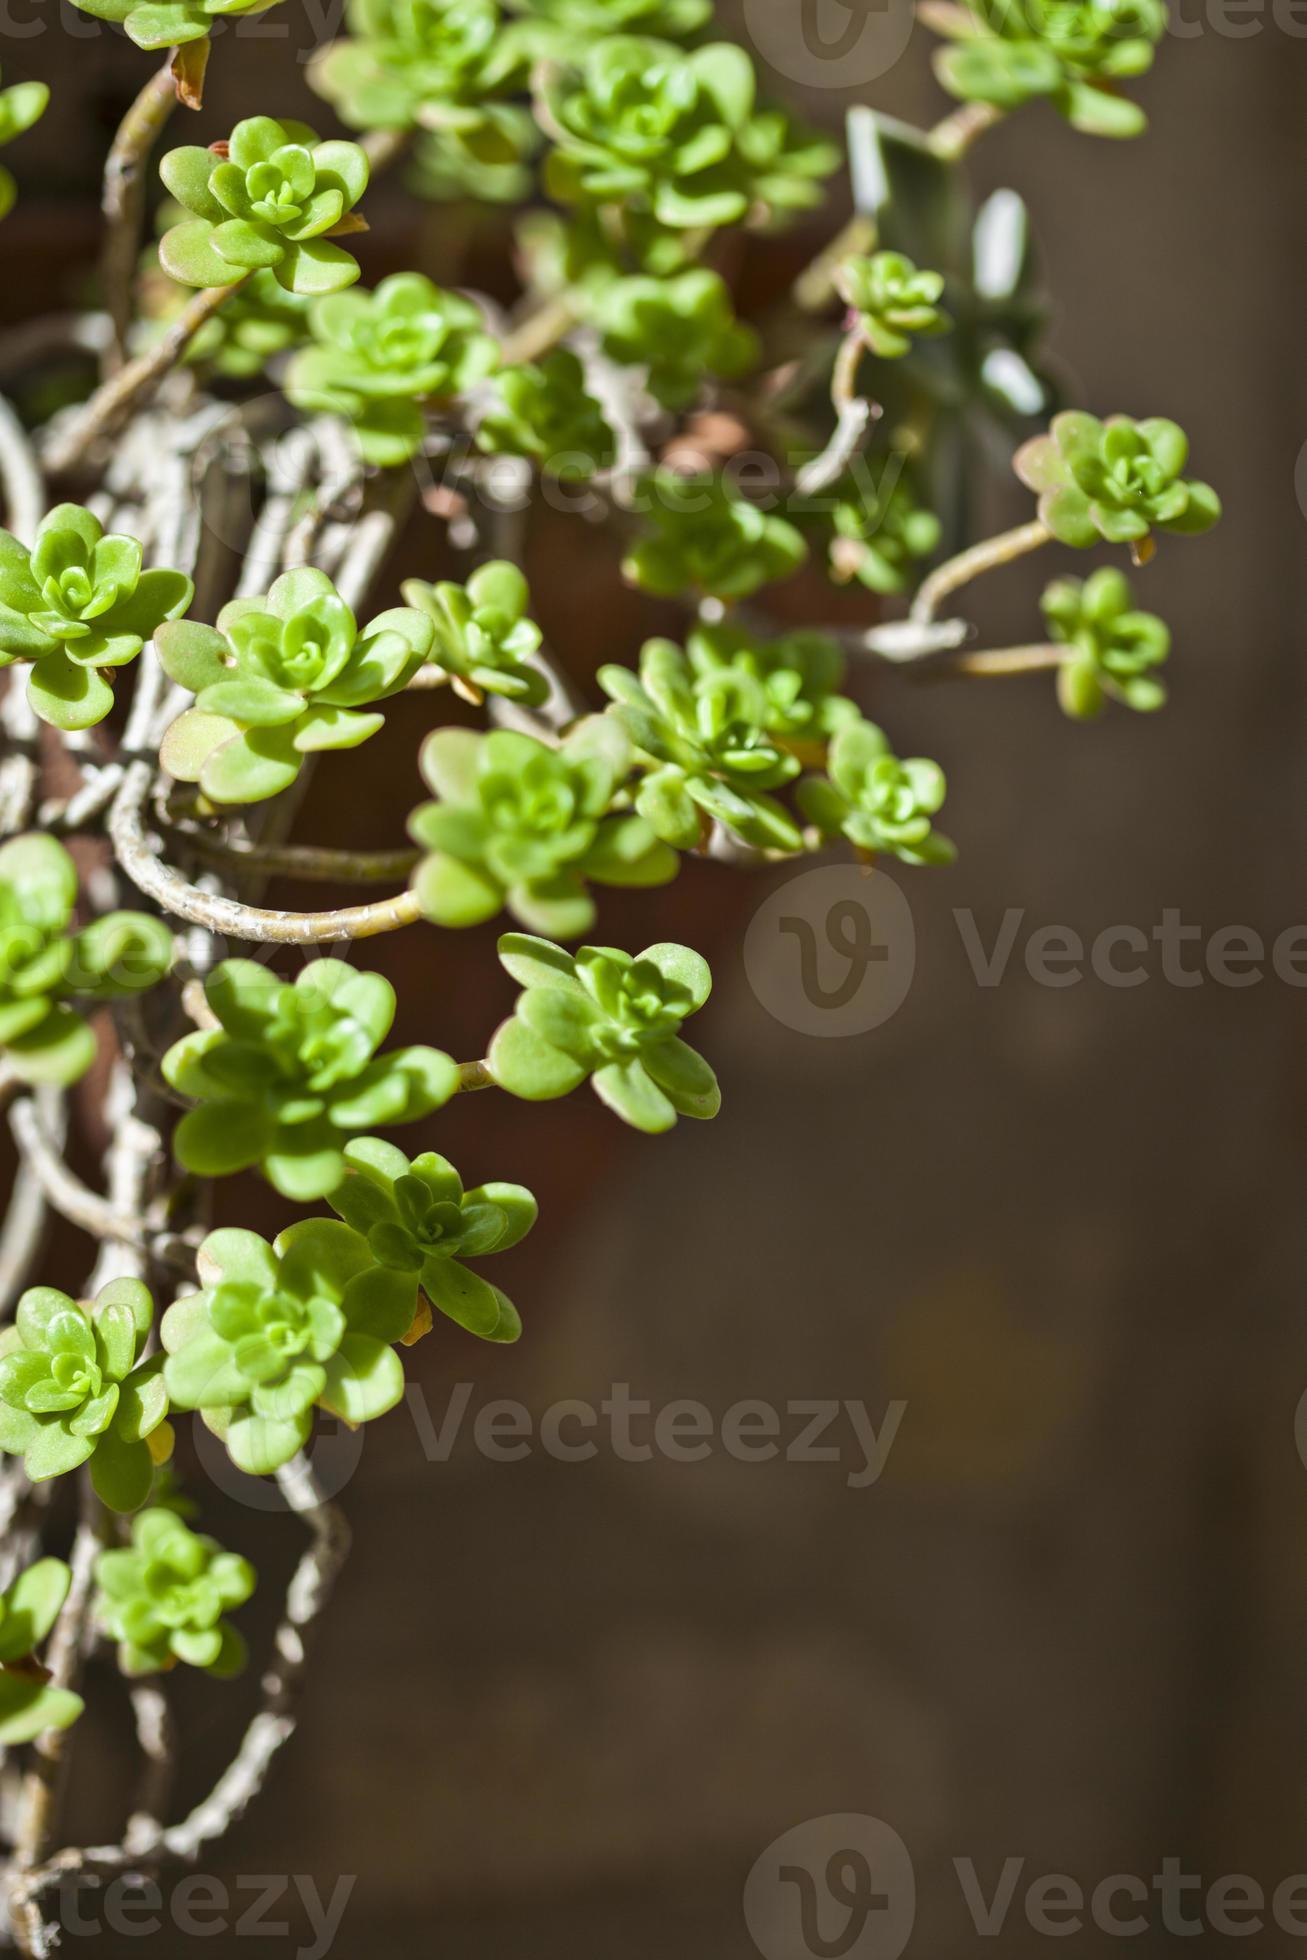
[(797, 677), (75, 606), (279, 1330), (418, 1219), (1112, 647), (1118, 480), (45, 963), (432, 64), (524, 826), (165, 1598), (703, 538), (20, 106), (484, 640), (155, 24), (268, 204), (292, 1072), (380, 357), (29, 1703), (710, 750), (448, 172), (881, 804), (279, 679), (642, 124), (609, 1016), (543, 410), (681, 329), (896, 303), (880, 532), (74, 1389), (1074, 56)]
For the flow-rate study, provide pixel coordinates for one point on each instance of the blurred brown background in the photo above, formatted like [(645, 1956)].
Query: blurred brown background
[(559, 1709)]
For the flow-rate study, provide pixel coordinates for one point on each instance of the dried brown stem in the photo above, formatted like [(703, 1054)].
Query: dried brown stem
[(124, 201)]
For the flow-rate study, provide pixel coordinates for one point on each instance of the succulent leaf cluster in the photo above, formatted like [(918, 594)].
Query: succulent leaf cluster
[(418, 1219), (165, 1598), (433, 64), (291, 1073), (705, 729), (380, 357), (609, 1016), (881, 804), (543, 410), (640, 122), (681, 329), (29, 1702), (45, 964), (74, 1389), (155, 24), (77, 606), (1070, 53), (1118, 480), (702, 537), (483, 640), (798, 676), (278, 1330), (895, 302), (518, 824), (281, 678), (880, 532), (267, 200), (1113, 647)]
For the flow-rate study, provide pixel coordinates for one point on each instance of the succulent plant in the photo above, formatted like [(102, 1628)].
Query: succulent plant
[(881, 532), (543, 410), (1113, 647), (483, 638), (798, 675), (280, 679), (44, 963), (78, 604), (1072, 53), (164, 1598), (640, 123), (682, 329), (894, 301), (703, 538), (418, 1219), (380, 357), (267, 203), (29, 1702), (74, 1389), (309, 1321), (155, 24), (255, 323), (1117, 480), (430, 63), (707, 737), (525, 826), (291, 1073), (879, 803), (613, 1017), (20, 106)]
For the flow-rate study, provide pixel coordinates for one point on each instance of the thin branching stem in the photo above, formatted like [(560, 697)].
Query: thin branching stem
[(124, 202), (973, 563)]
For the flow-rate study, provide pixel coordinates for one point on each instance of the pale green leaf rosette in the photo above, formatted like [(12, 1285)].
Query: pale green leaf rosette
[(279, 1330), (292, 1072), (613, 1018), (74, 1389), (164, 1599)]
